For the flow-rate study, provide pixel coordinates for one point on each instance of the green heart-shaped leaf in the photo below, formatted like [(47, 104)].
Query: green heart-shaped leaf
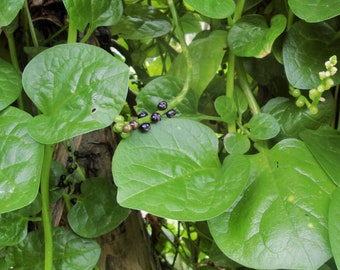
[(205, 61), (236, 143), (69, 251), (324, 144), (95, 13), (10, 84), (91, 217), (281, 220), (77, 87), (9, 10), (217, 9), (174, 171), (251, 36), (334, 226), (263, 126), (142, 22), (20, 159), (13, 227), (305, 50), (226, 108), (314, 10)]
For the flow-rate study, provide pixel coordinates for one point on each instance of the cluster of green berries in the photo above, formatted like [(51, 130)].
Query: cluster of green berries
[(143, 121), (315, 94), (71, 166)]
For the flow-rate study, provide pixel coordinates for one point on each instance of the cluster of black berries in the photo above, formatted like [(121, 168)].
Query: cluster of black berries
[(143, 123), (71, 167)]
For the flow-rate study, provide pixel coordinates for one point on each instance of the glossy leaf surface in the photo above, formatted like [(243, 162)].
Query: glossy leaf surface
[(281, 220), (20, 159), (298, 119), (251, 36), (166, 88), (317, 10), (236, 143), (9, 10), (305, 50), (10, 84), (142, 22), (13, 228), (334, 225), (205, 61), (263, 126), (91, 217), (324, 144), (93, 12), (173, 171), (217, 9), (69, 252), (77, 87), (226, 108)]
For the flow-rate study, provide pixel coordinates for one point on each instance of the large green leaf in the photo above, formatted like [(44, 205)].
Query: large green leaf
[(166, 88), (205, 61), (298, 119), (77, 87), (334, 225), (251, 36), (91, 217), (217, 9), (20, 160), (305, 50), (315, 10), (93, 12), (10, 84), (69, 252), (281, 220), (324, 144), (13, 228), (173, 171), (141, 22), (9, 10)]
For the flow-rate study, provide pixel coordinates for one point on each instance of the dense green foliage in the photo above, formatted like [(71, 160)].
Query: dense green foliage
[(243, 154)]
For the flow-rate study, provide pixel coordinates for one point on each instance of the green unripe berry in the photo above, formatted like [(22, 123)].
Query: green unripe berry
[(300, 102), (313, 109), (313, 94), (296, 93), (119, 118), (124, 135), (118, 127)]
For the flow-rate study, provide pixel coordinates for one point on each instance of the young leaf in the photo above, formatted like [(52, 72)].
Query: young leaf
[(324, 144), (69, 252), (334, 226), (205, 61), (91, 217), (317, 10), (93, 12), (216, 9), (166, 88), (10, 84), (226, 108), (298, 119), (13, 228), (9, 10), (251, 36), (174, 171), (236, 143), (142, 22), (20, 159), (281, 220), (77, 87), (263, 126), (306, 49)]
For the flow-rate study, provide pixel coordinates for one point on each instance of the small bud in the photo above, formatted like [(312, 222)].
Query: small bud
[(313, 93), (300, 102), (333, 70)]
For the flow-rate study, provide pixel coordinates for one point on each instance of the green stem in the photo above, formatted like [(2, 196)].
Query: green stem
[(230, 84), (238, 10), (62, 29), (72, 33), (46, 211), (290, 19), (180, 35), (87, 35), (254, 107), (30, 24)]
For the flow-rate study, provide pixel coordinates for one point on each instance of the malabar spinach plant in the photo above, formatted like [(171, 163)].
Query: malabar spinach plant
[(228, 118)]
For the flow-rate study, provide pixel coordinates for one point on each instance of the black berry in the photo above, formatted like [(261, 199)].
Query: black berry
[(134, 124), (142, 114), (62, 177), (70, 170), (145, 127), (162, 105), (61, 184), (76, 153), (69, 148), (70, 159), (155, 117), (171, 113)]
